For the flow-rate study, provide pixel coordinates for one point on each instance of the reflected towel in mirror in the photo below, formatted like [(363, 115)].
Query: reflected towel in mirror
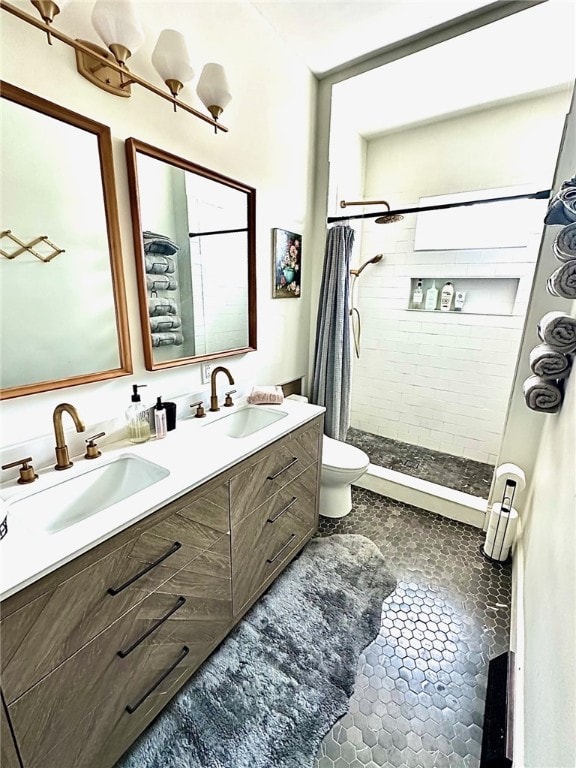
[(548, 363), (165, 323), (157, 306), (167, 339), (161, 283), (156, 243), (158, 264)]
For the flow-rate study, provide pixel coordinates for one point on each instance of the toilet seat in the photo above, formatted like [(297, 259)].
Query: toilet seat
[(340, 456)]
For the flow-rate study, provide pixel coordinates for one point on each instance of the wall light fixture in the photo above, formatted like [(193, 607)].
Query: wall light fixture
[(117, 24)]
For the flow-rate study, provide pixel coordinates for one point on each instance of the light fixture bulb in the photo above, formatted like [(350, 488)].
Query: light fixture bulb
[(213, 89), (170, 59), (117, 23)]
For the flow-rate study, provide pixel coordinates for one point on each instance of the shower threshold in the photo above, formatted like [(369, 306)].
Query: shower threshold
[(448, 485)]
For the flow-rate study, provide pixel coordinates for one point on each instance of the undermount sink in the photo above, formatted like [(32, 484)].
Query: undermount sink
[(245, 421), (76, 498)]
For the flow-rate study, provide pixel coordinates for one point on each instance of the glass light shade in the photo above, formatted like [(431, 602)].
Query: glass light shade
[(117, 23), (213, 88), (170, 57)]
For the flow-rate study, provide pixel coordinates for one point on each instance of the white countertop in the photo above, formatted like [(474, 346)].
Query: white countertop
[(190, 454)]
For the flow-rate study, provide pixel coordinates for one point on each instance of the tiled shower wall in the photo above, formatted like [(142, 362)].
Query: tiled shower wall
[(442, 380)]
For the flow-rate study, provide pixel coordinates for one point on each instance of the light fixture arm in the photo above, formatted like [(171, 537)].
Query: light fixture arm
[(89, 51)]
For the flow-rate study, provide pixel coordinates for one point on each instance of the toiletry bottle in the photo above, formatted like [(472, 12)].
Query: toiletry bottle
[(446, 297), (431, 297), (137, 416), (417, 296), (459, 299), (160, 419)]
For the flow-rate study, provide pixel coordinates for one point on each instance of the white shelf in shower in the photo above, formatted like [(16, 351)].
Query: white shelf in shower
[(484, 295)]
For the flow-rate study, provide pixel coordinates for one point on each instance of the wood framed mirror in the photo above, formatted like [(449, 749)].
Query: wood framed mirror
[(195, 246), (63, 306)]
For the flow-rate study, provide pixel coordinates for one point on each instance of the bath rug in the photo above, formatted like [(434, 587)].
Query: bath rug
[(278, 683)]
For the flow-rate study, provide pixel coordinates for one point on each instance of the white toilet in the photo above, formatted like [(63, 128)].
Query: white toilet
[(342, 465)]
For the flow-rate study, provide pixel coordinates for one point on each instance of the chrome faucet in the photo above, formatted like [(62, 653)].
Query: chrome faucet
[(62, 457), (213, 396)]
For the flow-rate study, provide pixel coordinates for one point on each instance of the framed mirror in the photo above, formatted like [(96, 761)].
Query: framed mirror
[(63, 307), (195, 246)]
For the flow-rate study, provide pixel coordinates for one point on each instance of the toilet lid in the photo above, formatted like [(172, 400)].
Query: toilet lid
[(339, 455)]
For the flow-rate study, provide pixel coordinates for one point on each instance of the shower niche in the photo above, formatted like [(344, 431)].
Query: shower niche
[(482, 295)]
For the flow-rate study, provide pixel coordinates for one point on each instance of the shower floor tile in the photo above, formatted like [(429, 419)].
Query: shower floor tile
[(462, 474), (421, 684)]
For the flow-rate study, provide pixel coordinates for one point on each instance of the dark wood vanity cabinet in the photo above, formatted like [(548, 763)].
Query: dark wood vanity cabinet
[(93, 651)]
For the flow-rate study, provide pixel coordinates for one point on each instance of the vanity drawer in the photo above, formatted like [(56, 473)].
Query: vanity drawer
[(274, 468), (164, 637), (45, 632), (266, 539)]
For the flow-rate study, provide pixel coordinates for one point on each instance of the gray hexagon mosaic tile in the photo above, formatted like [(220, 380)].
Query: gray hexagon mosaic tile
[(418, 700)]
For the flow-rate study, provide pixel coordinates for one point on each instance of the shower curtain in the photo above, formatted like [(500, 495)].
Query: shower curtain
[(331, 378)]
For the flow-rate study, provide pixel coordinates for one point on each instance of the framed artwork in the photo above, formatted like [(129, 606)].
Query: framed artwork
[(286, 264)]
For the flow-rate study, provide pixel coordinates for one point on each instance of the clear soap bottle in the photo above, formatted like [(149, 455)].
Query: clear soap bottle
[(137, 417)]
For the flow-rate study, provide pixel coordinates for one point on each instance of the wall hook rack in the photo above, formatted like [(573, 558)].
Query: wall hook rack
[(29, 247)]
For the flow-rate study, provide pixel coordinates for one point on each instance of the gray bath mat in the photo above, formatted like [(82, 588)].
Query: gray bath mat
[(277, 684)]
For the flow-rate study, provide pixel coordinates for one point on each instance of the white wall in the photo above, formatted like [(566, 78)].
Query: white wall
[(433, 379), (549, 587), (269, 147)]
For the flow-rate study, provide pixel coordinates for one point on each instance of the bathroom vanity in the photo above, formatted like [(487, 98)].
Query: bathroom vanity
[(96, 644)]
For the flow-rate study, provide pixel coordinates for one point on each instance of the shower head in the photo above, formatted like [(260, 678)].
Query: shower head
[(389, 218), (386, 219), (373, 260)]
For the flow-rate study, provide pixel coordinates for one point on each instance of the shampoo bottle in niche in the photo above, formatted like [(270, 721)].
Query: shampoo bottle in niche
[(431, 297), (137, 417), (160, 419), (417, 296), (446, 297)]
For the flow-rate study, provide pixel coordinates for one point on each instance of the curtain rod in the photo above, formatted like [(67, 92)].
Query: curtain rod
[(217, 232), (543, 194)]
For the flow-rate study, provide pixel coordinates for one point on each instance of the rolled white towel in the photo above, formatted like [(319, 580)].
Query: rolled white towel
[(156, 243), (161, 323), (266, 395), (161, 283), (167, 339), (158, 306), (562, 282), (548, 363), (542, 395), (558, 330), (565, 243), (158, 264)]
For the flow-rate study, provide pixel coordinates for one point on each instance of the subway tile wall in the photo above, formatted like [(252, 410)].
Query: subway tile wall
[(439, 380)]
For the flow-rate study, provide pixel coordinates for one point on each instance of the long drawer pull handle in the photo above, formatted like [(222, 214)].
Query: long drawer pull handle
[(291, 464), (179, 603), (277, 555), (286, 508), (131, 708), (174, 548)]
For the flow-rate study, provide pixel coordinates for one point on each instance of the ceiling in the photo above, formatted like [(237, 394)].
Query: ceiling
[(326, 34), (524, 54)]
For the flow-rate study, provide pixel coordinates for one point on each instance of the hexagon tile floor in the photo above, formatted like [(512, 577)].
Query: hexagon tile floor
[(419, 695)]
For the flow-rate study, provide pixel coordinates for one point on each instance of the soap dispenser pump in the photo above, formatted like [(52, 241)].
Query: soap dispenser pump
[(137, 417)]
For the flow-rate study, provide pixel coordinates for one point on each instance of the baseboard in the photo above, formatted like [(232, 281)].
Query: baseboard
[(455, 505)]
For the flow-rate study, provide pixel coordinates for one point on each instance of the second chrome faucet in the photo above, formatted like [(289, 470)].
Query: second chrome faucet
[(213, 396)]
